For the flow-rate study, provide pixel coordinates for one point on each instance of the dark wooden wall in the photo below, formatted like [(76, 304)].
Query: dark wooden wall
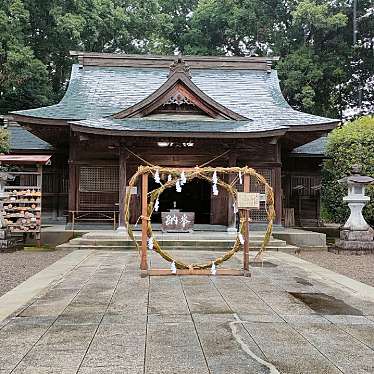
[(97, 180), (301, 179)]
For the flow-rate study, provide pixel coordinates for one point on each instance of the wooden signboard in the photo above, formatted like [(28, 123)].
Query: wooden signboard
[(248, 200), (133, 190), (176, 221)]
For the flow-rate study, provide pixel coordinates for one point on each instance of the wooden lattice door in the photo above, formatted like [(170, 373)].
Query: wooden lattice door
[(98, 188)]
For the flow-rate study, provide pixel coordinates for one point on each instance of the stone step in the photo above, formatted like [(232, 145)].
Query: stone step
[(286, 248), (186, 243), (160, 236), (217, 241)]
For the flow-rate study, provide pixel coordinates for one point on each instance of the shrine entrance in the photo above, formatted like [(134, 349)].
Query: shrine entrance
[(196, 197)]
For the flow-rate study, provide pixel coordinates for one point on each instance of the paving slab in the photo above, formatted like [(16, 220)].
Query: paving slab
[(287, 350), (173, 348), (117, 345), (35, 285), (98, 315), (348, 354), (223, 349)]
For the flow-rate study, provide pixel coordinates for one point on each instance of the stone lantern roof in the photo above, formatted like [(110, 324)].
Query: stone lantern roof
[(356, 177)]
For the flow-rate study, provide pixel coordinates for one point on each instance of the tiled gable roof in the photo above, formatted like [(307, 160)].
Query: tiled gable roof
[(96, 92), (315, 148), (21, 139)]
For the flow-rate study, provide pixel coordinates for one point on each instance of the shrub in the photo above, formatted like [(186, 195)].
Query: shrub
[(352, 143), (4, 140)]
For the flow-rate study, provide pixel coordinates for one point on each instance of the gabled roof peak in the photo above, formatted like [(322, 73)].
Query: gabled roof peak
[(179, 90), (106, 60), (180, 66)]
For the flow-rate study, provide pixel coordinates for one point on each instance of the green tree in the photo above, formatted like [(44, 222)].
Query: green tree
[(4, 140), (351, 144), (23, 78), (320, 70), (236, 27), (312, 72), (56, 27)]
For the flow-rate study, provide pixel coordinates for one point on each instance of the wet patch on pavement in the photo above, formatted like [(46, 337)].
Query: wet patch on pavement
[(326, 304)]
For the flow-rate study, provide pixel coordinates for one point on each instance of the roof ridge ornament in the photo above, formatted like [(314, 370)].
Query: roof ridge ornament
[(180, 66)]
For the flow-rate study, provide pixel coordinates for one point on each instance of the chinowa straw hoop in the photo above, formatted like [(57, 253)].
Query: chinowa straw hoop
[(205, 173)]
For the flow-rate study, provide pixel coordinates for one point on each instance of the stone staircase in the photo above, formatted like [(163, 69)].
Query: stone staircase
[(210, 241)]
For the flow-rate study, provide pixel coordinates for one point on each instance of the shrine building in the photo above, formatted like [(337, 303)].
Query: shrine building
[(121, 111)]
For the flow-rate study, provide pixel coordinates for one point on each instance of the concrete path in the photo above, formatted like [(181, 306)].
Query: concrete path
[(100, 316)]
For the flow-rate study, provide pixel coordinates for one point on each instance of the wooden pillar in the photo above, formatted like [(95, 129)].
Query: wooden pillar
[(39, 177), (277, 174), (278, 195), (231, 218), (143, 261), (246, 188), (122, 187), (73, 177)]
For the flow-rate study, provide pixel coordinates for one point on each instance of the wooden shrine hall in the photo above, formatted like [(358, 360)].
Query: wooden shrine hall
[(121, 111)]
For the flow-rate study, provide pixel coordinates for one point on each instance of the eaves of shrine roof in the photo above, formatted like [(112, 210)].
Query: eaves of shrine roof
[(315, 148), (170, 128), (21, 140), (251, 91)]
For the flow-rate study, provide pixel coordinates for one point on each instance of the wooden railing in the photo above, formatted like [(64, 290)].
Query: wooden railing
[(77, 216)]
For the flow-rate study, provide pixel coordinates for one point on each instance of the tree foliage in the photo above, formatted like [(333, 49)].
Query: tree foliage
[(321, 71), (4, 140), (351, 144), (23, 77)]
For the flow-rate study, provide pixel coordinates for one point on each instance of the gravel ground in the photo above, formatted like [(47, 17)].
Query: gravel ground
[(360, 268), (16, 267)]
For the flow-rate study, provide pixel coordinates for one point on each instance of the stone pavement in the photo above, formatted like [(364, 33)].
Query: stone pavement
[(102, 317)]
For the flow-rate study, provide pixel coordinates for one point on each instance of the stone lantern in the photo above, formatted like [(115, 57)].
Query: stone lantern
[(356, 235)]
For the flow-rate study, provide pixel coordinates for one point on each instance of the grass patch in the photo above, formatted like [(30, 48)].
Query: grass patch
[(42, 248)]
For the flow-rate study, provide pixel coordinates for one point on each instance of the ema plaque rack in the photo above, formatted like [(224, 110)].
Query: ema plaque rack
[(22, 209)]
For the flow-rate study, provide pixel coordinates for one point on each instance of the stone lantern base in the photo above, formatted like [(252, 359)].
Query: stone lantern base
[(7, 243), (356, 242)]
